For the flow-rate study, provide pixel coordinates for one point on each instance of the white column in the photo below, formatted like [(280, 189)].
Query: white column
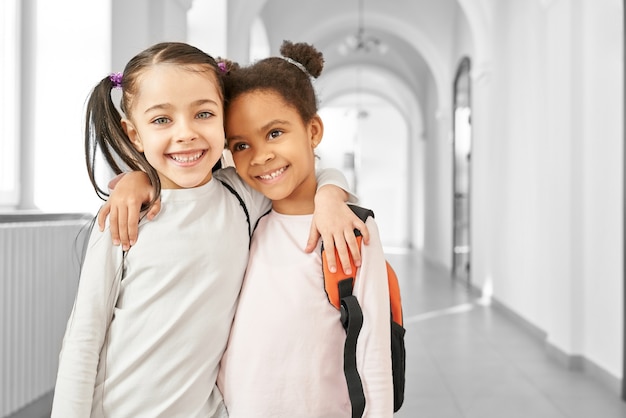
[(207, 23), (138, 24), (27, 103)]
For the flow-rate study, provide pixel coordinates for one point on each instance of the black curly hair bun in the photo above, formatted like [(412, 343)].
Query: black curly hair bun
[(305, 54)]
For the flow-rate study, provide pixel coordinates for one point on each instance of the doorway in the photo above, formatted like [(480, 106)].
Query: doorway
[(363, 136), (462, 157)]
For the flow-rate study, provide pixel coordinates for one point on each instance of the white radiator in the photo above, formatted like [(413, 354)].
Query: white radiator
[(39, 267)]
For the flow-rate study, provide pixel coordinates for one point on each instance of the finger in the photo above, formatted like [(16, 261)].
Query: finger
[(329, 250), (113, 228), (122, 224), (102, 215), (344, 256), (133, 225), (314, 237), (353, 247), (154, 210)]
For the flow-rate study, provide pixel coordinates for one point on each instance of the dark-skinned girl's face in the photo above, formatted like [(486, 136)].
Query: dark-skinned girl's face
[(273, 149)]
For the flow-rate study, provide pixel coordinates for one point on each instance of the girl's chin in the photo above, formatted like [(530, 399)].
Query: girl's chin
[(185, 183)]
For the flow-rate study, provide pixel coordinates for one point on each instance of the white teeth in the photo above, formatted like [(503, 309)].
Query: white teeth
[(273, 175), (186, 158)]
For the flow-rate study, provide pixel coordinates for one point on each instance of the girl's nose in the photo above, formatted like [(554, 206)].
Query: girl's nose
[(262, 156), (185, 133)]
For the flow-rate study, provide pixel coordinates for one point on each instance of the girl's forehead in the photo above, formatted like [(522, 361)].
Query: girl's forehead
[(175, 71), (167, 82), (266, 95), (255, 112)]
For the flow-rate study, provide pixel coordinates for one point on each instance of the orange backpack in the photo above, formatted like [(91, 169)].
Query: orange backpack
[(338, 287)]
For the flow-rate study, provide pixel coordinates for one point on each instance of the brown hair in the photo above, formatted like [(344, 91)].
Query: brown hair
[(290, 77), (103, 127)]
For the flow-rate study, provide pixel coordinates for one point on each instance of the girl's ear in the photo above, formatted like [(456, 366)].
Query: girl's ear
[(316, 130), (132, 134)]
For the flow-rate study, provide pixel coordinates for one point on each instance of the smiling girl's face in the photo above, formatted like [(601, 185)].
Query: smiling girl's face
[(176, 120), (273, 149)]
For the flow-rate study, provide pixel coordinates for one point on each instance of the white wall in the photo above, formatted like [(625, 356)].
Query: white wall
[(549, 219), (601, 155)]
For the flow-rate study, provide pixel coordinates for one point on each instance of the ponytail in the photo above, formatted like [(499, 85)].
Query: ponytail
[(104, 131)]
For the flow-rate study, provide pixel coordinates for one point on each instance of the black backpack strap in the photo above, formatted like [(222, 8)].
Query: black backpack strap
[(242, 203), (259, 220), (362, 213), (352, 321)]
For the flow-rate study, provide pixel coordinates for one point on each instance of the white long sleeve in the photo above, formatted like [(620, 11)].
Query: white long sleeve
[(87, 327), (156, 352)]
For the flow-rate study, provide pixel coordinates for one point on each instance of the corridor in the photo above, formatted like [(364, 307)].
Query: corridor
[(483, 133), (468, 360)]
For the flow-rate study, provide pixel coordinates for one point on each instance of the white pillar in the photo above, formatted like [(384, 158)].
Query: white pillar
[(27, 103), (207, 23), (138, 24)]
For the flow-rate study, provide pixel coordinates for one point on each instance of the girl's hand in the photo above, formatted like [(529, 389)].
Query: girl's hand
[(335, 222), (128, 193)]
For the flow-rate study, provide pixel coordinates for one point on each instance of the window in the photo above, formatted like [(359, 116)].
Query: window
[(66, 68)]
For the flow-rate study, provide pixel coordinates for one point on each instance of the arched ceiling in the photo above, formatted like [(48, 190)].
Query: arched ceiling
[(421, 38)]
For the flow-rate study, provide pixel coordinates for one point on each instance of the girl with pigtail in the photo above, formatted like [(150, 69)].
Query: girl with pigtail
[(150, 323)]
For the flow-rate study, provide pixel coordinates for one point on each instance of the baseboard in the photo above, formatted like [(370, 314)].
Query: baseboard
[(530, 328), (569, 361), (581, 363)]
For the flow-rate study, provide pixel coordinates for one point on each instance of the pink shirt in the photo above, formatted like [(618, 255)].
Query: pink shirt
[(285, 352)]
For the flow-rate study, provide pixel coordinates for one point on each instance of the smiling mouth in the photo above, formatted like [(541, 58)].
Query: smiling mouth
[(186, 158), (273, 175)]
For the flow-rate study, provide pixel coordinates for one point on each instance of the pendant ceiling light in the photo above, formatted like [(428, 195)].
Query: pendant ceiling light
[(360, 42)]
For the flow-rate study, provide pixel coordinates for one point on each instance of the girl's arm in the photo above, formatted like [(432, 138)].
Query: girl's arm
[(333, 220), (129, 191), (87, 327), (335, 223)]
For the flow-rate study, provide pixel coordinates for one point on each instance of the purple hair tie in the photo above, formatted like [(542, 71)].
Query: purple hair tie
[(222, 66), (116, 79)]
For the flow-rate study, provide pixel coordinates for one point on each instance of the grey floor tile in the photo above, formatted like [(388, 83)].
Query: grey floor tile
[(429, 408), (590, 408), (511, 406), (468, 360)]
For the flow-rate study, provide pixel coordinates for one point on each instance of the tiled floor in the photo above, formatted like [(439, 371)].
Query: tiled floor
[(467, 360)]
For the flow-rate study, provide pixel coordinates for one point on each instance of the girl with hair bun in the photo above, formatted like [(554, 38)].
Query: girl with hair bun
[(285, 352)]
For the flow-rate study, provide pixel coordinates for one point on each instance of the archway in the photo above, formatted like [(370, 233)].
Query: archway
[(364, 136)]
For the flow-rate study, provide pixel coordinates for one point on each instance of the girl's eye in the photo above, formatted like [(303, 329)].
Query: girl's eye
[(161, 121), (240, 146), (275, 134), (204, 115)]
